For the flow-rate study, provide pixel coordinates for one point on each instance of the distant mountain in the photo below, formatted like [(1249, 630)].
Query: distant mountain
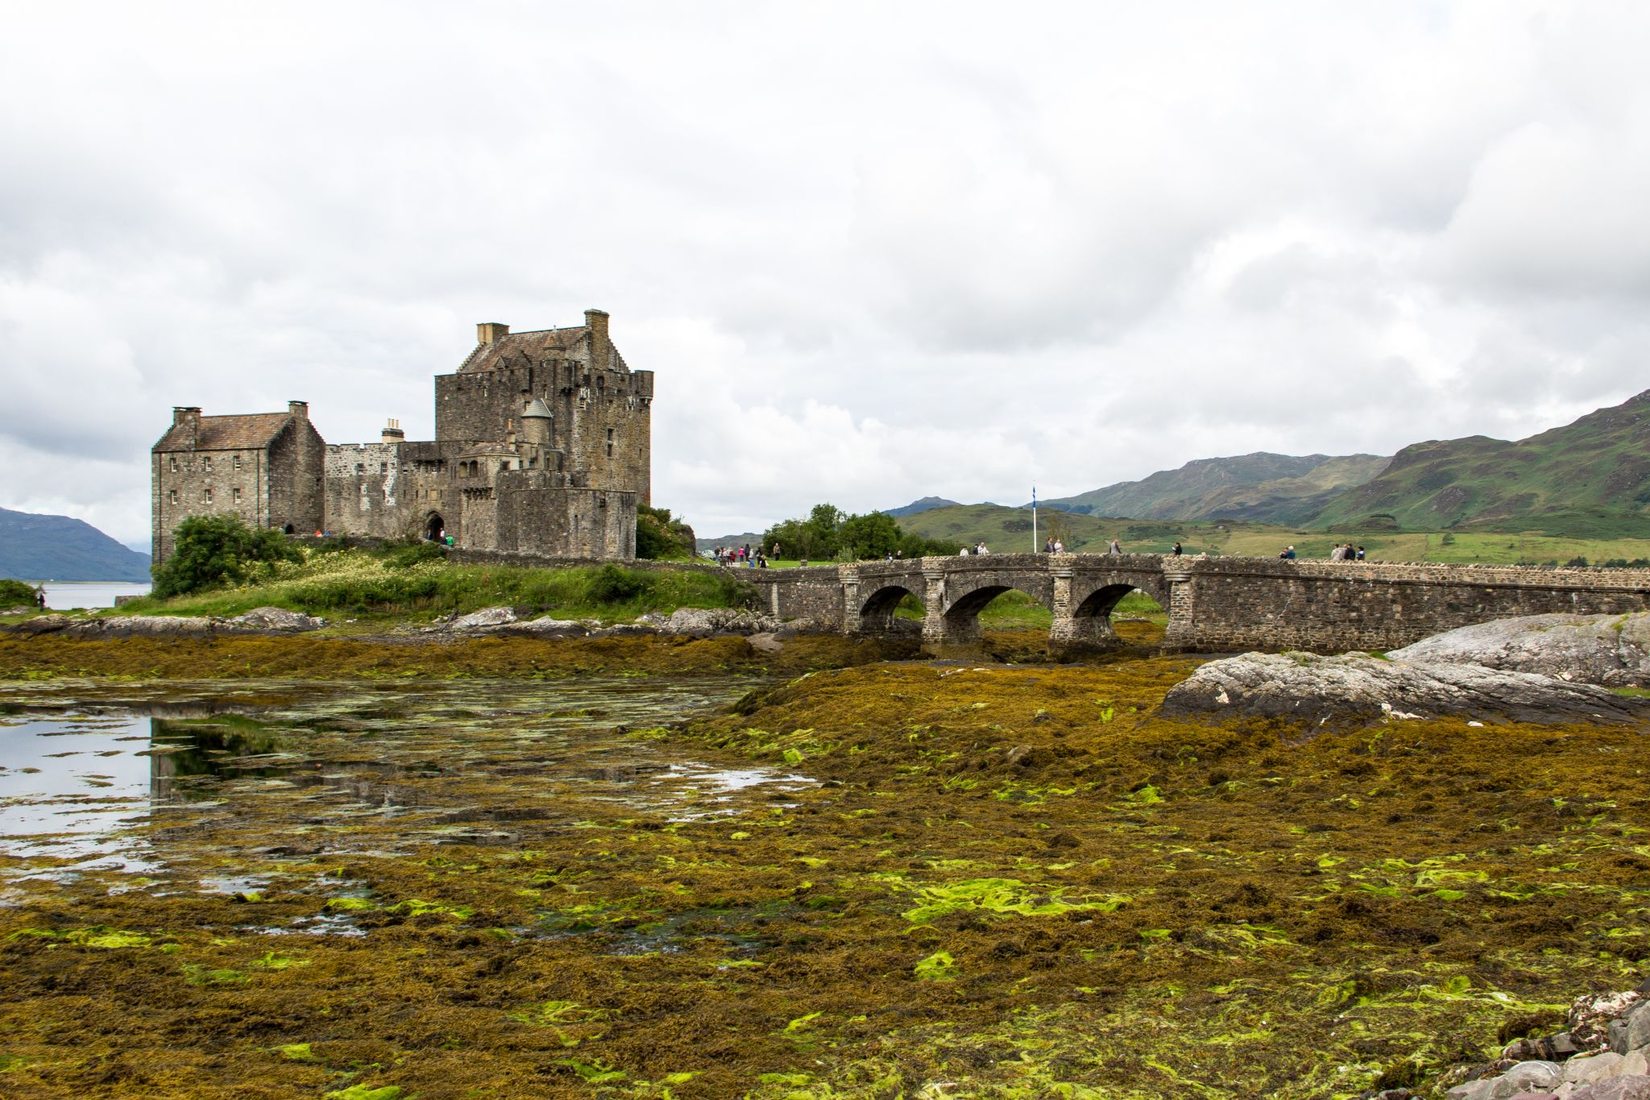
[(1589, 479), (1255, 488), (754, 538), (926, 504), (59, 548)]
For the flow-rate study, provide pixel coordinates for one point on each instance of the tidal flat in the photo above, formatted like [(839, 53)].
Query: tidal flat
[(270, 868)]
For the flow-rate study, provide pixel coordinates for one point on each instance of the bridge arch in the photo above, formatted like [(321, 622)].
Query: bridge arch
[(876, 611)]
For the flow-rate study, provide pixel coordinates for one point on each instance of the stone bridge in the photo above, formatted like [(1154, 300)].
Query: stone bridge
[(1213, 604)]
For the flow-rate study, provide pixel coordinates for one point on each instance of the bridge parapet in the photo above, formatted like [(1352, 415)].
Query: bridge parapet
[(1213, 604)]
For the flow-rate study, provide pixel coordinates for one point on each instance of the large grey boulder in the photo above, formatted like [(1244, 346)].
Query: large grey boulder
[(1613, 650), (697, 622), (488, 618), (275, 620), (549, 628), (1361, 688)]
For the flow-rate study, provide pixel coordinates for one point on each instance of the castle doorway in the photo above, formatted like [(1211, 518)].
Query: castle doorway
[(435, 527), (290, 529)]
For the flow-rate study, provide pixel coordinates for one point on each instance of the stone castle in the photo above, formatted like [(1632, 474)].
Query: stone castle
[(543, 445)]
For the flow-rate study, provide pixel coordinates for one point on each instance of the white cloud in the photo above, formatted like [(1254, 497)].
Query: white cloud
[(872, 251)]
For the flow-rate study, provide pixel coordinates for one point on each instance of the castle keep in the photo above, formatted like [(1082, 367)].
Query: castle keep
[(543, 444)]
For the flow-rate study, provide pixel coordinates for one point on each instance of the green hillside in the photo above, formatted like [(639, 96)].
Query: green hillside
[(1259, 488), (1589, 479), (1008, 531)]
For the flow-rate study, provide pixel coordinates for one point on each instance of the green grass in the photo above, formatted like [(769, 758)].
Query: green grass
[(362, 584), (1001, 529)]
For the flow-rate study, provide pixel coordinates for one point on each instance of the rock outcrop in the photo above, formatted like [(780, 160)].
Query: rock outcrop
[(1612, 650), (1357, 688), (691, 622), (260, 620)]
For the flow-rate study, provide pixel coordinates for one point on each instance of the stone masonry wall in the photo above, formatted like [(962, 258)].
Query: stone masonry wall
[(297, 461), (812, 595), (1247, 603), (1225, 604), (206, 483)]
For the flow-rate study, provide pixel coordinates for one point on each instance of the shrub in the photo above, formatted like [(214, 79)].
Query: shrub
[(413, 553), (214, 550), (658, 535), (16, 593), (610, 585)]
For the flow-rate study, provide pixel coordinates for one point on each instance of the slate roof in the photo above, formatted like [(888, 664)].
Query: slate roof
[(525, 347), (225, 433), (522, 348)]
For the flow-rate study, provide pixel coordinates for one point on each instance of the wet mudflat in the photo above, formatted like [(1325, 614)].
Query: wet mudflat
[(893, 879)]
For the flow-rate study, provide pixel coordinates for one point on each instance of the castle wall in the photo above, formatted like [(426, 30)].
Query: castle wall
[(366, 490), (297, 462), (538, 514), (612, 421), (205, 483)]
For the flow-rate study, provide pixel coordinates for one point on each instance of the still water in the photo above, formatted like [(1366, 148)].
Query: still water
[(66, 595), (212, 787)]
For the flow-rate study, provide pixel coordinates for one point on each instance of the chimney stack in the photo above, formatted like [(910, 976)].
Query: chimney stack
[(490, 331), (596, 321), (393, 433), (186, 414), (298, 409)]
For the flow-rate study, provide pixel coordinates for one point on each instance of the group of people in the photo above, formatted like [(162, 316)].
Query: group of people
[(744, 556), (1342, 552), (1053, 546), (977, 548)]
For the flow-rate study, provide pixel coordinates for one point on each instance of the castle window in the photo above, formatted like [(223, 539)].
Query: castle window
[(174, 464), (383, 467), (505, 465), (237, 495), (237, 462), (209, 496), (172, 496), (206, 464)]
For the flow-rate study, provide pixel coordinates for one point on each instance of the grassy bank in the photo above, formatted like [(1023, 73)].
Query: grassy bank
[(416, 584)]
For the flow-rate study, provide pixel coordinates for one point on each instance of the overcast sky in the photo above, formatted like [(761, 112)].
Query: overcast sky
[(872, 251)]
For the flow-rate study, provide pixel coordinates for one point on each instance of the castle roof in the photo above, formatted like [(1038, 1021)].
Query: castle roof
[(531, 347), (537, 409), (240, 432)]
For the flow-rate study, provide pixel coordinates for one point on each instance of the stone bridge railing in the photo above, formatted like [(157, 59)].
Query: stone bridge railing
[(1213, 604)]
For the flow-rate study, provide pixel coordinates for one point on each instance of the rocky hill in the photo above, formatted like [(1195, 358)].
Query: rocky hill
[(1588, 479), (39, 547)]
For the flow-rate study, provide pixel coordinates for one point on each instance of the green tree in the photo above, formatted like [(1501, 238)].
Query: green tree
[(658, 535), (873, 535), (213, 550), (829, 533)]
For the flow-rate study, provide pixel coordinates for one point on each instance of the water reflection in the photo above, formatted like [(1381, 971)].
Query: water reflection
[(215, 790)]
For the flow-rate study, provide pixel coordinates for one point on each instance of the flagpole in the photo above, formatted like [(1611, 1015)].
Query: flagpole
[(1034, 519)]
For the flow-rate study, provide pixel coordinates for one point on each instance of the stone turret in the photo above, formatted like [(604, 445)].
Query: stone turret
[(535, 423)]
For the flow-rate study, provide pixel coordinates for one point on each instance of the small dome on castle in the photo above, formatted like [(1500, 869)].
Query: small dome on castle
[(536, 409)]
